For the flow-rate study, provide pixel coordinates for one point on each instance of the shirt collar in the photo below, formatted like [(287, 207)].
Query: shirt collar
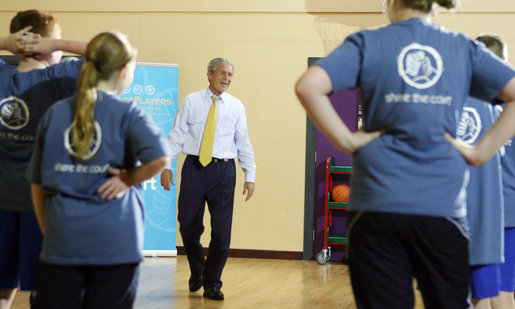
[(209, 94)]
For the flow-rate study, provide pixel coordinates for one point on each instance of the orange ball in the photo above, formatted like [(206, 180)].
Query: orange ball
[(340, 193)]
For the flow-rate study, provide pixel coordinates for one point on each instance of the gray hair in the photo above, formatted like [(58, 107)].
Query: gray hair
[(213, 64)]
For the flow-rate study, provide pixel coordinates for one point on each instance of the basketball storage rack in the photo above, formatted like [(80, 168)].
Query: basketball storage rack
[(329, 238)]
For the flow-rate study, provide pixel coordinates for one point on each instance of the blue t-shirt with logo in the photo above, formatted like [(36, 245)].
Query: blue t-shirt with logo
[(24, 98), (484, 190), (508, 179), (82, 228), (414, 78)]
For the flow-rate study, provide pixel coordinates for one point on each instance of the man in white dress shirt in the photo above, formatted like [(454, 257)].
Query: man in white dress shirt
[(213, 183)]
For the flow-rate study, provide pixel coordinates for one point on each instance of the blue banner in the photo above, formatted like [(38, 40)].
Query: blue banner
[(155, 88)]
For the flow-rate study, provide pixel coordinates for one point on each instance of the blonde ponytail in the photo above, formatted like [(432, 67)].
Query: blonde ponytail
[(83, 124), (106, 54)]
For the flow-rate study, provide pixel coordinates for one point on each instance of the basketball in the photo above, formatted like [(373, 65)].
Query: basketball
[(340, 193)]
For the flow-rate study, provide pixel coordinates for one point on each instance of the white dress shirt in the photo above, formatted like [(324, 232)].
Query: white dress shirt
[(231, 134)]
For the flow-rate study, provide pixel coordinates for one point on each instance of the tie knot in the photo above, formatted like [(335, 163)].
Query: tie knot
[(215, 99)]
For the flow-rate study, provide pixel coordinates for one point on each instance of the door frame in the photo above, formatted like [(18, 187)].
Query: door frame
[(309, 184)]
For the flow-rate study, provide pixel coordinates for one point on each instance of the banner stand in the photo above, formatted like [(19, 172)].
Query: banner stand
[(155, 89), (159, 253)]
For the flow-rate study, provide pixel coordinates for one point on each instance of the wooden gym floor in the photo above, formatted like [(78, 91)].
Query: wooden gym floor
[(248, 283)]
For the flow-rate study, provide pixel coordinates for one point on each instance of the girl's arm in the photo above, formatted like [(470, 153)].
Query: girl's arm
[(313, 89), (27, 43), (122, 180), (45, 46), (38, 199), (502, 130)]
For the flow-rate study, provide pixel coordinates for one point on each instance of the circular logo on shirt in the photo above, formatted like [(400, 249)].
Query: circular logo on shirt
[(469, 126), (14, 113), (93, 148), (420, 66)]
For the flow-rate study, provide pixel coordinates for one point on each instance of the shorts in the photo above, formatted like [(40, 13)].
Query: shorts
[(86, 286), (486, 281), (508, 267), (387, 250), (20, 247)]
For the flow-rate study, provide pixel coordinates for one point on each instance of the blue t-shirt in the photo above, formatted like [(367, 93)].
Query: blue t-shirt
[(82, 228), (508, 179), (24, 98), (484, 190), (414, 78)]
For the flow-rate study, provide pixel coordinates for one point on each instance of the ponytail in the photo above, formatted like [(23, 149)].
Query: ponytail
[(83, 124), (106, 54)]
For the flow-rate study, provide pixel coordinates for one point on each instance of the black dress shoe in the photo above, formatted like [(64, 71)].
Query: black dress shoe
[(213, 293), (195, 283)]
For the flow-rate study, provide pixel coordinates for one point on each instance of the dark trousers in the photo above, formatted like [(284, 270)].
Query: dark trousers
[(387, 250), (82, 287), (20, 247), (213, 184)]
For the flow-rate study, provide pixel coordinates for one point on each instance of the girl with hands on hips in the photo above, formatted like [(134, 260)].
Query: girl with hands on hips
[(410, 75), (92, 152)]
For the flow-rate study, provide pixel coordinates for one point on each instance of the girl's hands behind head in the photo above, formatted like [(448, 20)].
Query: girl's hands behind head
[(39, 48), (19, 43)]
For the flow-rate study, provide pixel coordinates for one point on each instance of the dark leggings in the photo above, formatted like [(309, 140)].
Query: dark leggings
[(386, 251), (98, 287)]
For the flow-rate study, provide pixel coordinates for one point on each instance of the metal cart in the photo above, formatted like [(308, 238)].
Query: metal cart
[(329, 238)]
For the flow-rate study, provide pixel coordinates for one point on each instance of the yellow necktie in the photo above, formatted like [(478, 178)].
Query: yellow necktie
[(206, 149)]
